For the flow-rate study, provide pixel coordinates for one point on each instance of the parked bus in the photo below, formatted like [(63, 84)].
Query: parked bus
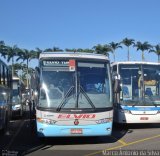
[(17, 90), (139, 98), (74, 95), (5, 95)]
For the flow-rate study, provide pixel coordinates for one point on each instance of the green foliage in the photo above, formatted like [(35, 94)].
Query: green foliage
[(156, 50), (143, 47), (103, 49), (114, 46), (11, 52)]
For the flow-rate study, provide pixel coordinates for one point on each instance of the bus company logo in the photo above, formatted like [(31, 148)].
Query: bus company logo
[(76, 116), (76, 122)]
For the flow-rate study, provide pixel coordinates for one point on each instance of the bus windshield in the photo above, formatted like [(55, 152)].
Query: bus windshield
[(86, 87), (140, 84)]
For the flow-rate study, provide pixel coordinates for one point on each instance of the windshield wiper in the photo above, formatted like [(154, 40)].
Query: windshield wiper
[(87, 97), (63, 102)]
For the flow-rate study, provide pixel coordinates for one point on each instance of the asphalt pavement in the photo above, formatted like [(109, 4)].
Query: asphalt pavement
[(21, 139)]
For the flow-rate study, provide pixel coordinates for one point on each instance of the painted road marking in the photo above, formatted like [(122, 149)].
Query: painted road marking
[(120, 141), (127, 144)]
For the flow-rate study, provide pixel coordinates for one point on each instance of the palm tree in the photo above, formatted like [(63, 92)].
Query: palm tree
[(3, 49), (156, 50), (114, 46), (26, 55), (17, 67), (88, 50), (80, 50), (143, 47), (36, 53), (102, 49), (71, 50), (11, 52), (54, 49), (128, 42)]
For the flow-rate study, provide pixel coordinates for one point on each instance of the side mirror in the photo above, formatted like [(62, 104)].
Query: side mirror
[(117, 87)]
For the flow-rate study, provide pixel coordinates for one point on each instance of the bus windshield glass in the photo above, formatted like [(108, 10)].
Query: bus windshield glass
[(140, 84), (86, 86)]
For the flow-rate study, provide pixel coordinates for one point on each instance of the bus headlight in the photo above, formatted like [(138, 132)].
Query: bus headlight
[(46, 121), (105, 120), (16, 107)]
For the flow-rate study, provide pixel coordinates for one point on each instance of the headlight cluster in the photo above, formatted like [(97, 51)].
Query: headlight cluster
[(46, 121), (16, 107), (105, 120)]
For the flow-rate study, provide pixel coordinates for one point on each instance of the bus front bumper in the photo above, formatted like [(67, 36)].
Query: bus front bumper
[(44, 130), (131, 118)]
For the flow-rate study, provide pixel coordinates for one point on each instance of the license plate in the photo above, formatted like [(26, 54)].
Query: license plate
[(144, 118), (76, 131)]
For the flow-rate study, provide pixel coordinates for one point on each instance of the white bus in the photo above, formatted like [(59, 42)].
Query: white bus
[(74, 95), (17, 104), (139, 98)]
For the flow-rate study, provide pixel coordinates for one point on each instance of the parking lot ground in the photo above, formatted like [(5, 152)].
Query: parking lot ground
[(22, 138)]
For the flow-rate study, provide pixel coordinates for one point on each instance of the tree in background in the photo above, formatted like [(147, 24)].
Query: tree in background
[(128, 42), (12, 52), (143, 47), (103, 49), (156, 50), (80, 50), (3, 49), (54, 49), (26, 55), (114, 46)]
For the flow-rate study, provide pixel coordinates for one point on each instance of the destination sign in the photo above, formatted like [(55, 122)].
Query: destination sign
[(55, 63)]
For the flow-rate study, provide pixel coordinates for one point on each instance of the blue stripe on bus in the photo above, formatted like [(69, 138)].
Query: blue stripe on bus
[(140, 108), (88, 130)]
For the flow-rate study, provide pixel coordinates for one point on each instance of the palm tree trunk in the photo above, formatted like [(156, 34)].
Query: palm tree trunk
[(142, 55), (12, 67), (158, 58), (27, 76), (114, 55), (128, 53)]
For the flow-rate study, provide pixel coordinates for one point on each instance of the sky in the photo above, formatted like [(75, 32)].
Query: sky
[(80, 24)]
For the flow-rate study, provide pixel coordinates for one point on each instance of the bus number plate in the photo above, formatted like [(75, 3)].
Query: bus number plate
[(76, 131), (144, 118)]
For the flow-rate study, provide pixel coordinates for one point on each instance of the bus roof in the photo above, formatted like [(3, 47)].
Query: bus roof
[(135, 62), (72, 55)]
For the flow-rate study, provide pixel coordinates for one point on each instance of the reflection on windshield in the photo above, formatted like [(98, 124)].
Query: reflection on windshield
[(140, 84), (90, 84)]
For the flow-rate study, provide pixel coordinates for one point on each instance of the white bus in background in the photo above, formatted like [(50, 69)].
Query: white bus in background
[(139, 99), (17, 90), (74, 95)]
